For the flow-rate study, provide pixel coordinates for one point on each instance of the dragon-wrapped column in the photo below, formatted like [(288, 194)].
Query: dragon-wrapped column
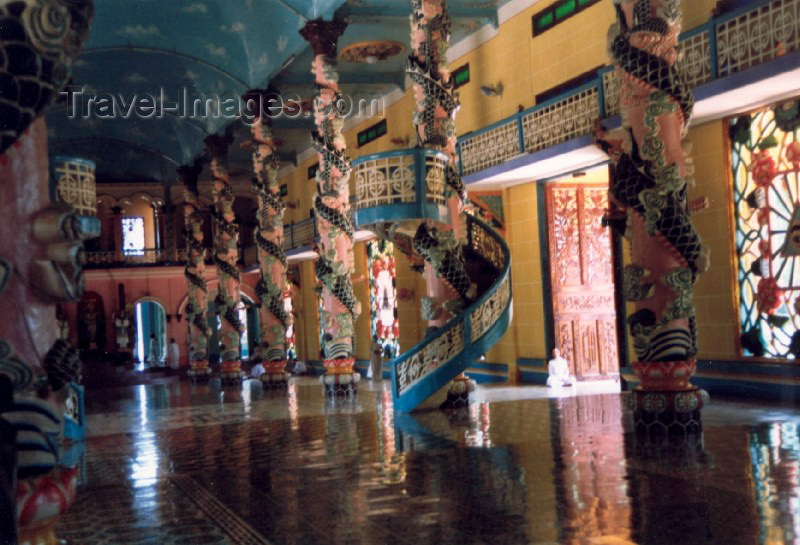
[(197, 298), (651, 175), (440, 244), (272, 285), (331, 207), (41, 257), (226, 254)]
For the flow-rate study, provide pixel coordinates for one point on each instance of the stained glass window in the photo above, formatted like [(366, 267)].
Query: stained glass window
[(766, 162), (133, 235), (383, 295)]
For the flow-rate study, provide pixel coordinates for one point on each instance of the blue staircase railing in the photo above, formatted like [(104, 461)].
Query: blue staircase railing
[(387, 189), (425, 370)]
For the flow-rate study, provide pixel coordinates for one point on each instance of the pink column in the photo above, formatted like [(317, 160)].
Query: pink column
[(331, 207), (197, 298), (652, 171), (40, 266), (448, 284), (226, 254), (271, 257)]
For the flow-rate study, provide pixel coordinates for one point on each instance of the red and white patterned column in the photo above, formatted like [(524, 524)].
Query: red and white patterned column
[(448, 285), (652, 174), (226, 254), (269, 240), (197, 298), (331, 208)]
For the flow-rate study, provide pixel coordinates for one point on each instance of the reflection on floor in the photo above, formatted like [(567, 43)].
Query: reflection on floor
[(182, 464)]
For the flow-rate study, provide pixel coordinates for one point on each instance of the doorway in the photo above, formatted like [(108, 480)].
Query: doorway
[(151, 334), (582, 277)]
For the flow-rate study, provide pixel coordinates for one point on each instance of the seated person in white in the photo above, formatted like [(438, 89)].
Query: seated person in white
[(257, 370), (558, 371)]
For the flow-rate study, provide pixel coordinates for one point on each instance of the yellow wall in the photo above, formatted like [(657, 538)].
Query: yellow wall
[(307, 327), (522, 234), (696, 12), (412, 326), (717, 314)]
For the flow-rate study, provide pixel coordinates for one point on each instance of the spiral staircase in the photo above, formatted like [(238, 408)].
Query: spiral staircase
[(394, 192)]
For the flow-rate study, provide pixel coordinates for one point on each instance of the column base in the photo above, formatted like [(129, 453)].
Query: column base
[(670, 415), (275, 381), (40, 503), (340, 384), (200, 374), (231, 378), (458, 393)]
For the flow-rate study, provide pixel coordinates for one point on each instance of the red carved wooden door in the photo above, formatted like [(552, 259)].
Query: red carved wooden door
[(582, 279)]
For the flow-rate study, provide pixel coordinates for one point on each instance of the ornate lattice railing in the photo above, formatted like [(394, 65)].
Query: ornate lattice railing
[(696, 51), (297, 235), (492, 147), (754, 36), (387, 185), (759, 32), (610, 82), (148, 256), (561, 120), (434, 361)]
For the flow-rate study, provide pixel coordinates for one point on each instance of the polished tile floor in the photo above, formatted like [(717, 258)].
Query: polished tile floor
[(182, 464)]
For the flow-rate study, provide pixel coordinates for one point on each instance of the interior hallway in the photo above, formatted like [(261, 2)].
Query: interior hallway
[(182, 464)]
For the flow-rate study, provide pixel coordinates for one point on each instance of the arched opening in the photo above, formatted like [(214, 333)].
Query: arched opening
[(151, 334), (383, 296), (248, 315), (291, 340)]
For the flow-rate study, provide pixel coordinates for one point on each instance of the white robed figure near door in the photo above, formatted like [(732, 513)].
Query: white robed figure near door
[(558, 371)]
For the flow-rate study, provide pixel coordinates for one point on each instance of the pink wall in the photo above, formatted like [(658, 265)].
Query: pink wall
[(165, 285)]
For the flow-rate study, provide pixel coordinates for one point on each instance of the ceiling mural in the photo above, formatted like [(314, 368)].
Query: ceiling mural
[(155, 78)]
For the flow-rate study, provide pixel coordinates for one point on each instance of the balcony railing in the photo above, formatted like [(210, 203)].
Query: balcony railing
[(388, 183), (148, 256), (733, 42), (297, 235)]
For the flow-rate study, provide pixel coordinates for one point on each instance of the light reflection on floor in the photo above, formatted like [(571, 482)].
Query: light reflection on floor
[(177, 463)]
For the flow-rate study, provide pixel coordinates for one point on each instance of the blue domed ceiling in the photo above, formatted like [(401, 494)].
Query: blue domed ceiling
[(183, 52)]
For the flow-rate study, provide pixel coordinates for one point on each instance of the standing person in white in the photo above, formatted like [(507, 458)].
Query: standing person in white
[(558, 371), (174, 354), (153, 356)]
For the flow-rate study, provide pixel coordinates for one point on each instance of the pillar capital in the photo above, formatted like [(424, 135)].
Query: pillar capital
[(188, 175), (259, 104), (323, 35), (218, 144)]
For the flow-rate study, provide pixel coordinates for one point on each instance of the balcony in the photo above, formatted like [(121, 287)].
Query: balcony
[(387, 185), (298, 237), (723, 47)]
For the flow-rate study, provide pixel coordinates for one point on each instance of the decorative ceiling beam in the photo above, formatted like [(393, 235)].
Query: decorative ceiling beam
[(487, 13)]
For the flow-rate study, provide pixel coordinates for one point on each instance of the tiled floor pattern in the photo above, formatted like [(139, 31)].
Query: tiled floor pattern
[(182, 464)]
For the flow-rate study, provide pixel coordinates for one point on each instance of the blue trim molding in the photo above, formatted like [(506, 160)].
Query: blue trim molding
[(532, 370)]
